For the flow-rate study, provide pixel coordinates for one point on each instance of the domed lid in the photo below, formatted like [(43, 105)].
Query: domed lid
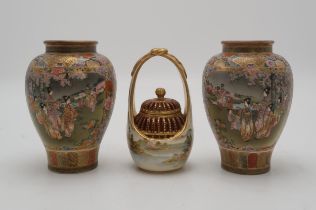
[(160, 117)]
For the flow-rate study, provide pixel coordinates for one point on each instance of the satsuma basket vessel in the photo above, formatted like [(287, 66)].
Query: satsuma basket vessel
[(160, 136)]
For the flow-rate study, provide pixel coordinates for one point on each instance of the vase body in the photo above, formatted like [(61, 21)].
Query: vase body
[(70, 91), (160, 136), (247, 93)]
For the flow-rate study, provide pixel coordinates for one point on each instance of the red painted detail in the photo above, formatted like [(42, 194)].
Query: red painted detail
[(92, 156), (252, 160), (53, 158)]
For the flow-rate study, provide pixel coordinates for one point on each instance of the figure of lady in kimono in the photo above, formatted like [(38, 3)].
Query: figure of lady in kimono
[(265, 124), (41, 114), (266, 96), (221, 96), (209, 88), (54, 120), (108, 103), (279, 108), (53, 124), (69, 116), (80, 98), (91, 100), (33, 103), (260, 123), (229, 102), (260, 120), (216, 91), (247, 127), (224, 98), (266, 92), (42, 117), (49, 94)]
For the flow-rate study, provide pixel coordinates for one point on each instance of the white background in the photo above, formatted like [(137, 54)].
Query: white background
[(191, 30)]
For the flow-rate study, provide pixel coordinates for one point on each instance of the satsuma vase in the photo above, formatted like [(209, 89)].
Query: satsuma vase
[(247, 92), (70, 91)]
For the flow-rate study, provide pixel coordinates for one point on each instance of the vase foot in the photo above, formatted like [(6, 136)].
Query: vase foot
[(246, 162), (245, 170), (72, 161), (73, 170)]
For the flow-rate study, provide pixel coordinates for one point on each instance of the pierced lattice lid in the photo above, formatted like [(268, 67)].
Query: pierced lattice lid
[(160, 117)]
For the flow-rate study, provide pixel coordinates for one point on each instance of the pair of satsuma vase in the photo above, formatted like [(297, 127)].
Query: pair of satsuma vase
[(247, 92)]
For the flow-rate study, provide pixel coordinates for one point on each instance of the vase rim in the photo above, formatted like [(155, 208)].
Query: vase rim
[(70, 46), (248, 42), (249, 46), (70, 42)]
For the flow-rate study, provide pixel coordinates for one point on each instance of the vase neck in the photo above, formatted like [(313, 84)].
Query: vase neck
[(60, 46), (247, 46)]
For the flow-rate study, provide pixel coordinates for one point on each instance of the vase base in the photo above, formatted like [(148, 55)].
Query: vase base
[(245, 171), (246, 162), (73, 170), (72, 161)]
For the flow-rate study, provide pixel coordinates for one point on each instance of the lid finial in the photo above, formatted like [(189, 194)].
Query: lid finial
[(160, 92)]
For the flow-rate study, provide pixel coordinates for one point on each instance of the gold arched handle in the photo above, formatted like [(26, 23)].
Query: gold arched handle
[(163, 53)]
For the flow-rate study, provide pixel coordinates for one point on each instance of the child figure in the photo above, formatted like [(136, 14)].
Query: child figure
[(234, 120)]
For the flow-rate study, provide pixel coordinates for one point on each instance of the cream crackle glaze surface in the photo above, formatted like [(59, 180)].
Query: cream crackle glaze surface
[(160, 154), (247, 94), (70, 98)]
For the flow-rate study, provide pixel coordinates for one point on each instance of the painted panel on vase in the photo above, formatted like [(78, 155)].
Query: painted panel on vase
[(71, 98), (248, 97)]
